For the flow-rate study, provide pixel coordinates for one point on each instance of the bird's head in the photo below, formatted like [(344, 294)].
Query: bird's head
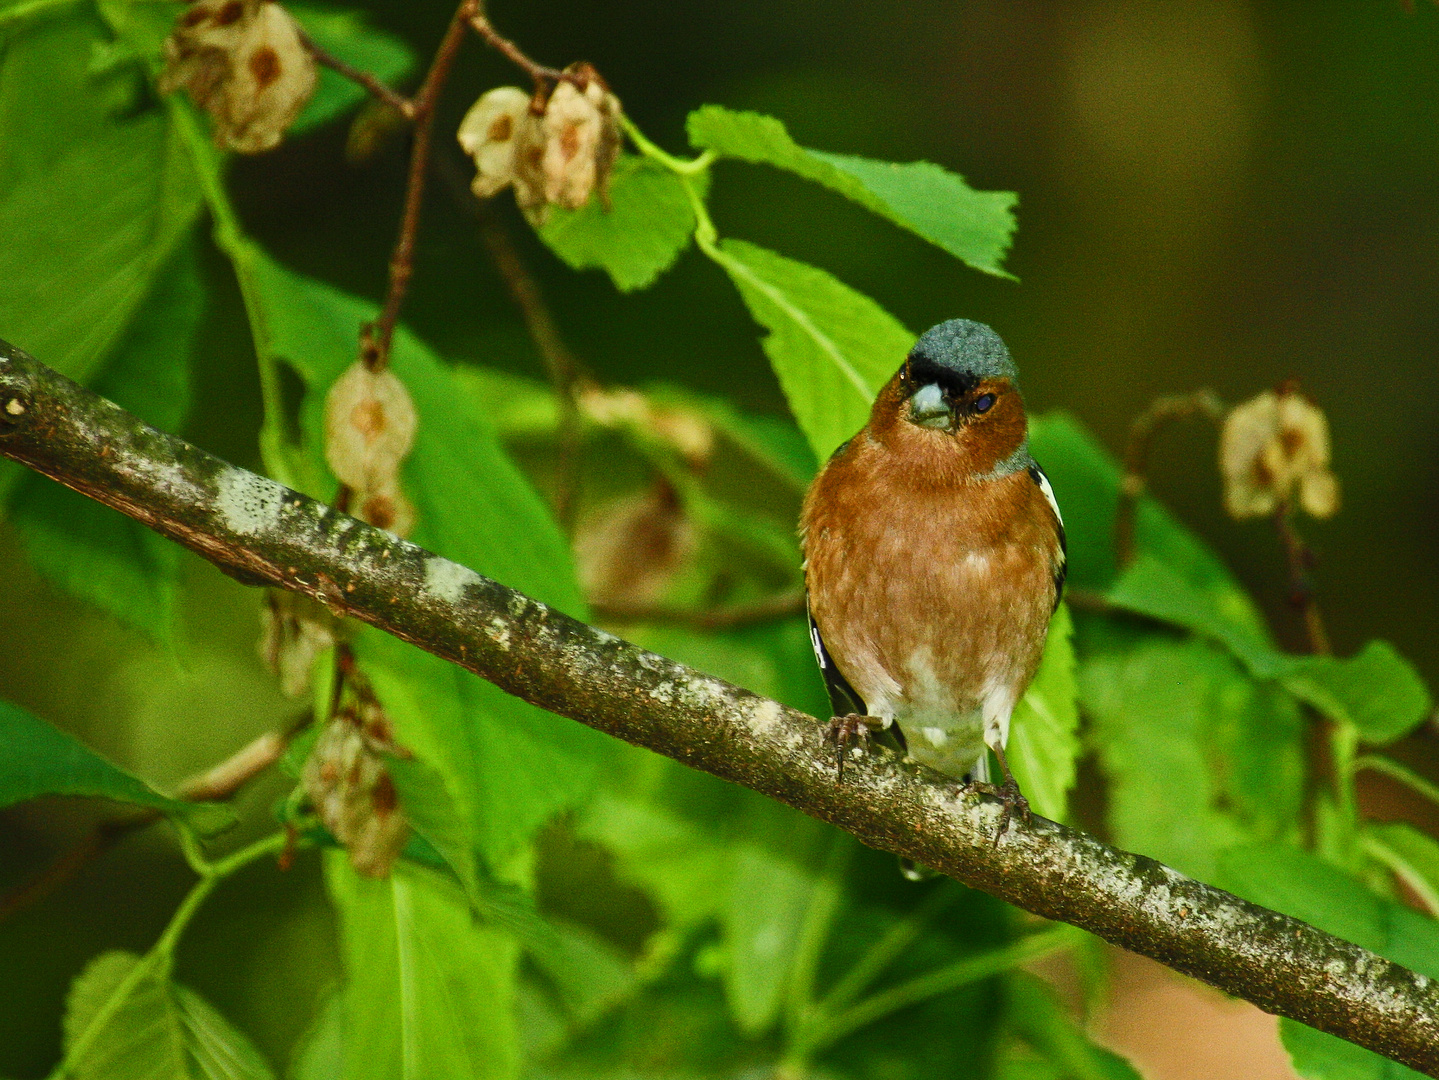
[(956, 395)]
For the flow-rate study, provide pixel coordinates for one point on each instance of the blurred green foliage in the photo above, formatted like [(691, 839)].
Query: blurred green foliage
[(568, 907)]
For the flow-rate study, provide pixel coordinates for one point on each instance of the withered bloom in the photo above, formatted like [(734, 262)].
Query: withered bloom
[(1274, 451), (243, 62)]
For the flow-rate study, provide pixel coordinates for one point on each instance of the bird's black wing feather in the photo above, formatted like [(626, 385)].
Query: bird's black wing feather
[(1037, 475), (842, 697)]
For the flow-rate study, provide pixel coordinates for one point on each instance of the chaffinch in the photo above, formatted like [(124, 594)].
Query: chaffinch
[(934, 557)]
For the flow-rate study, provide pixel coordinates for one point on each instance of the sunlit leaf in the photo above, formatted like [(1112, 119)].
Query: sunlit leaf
[(428, 990), (1043, 741), (1378, 691), (973, 226), (648, 223), (1153, 702), (832, 347)]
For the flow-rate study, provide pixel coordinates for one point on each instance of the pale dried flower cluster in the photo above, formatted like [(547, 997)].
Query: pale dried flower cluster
[(369, 431), (295, 631), (555, 151), (683, 429), (243, 62), (350, 788), (1273, 452), (633, 549)]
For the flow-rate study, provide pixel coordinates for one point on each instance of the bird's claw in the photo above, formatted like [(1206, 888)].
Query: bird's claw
[(1013, 800), (847, 731)]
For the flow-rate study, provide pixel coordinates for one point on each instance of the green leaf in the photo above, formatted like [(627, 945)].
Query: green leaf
[(1043, 741), (1153, 703), (86, 236), (645, 229), (1086, 481), (156, 1031), (139, 1036), (91, 551), (37, 758), (347, 35), (428, 991), (1041, 1020), (975, 227), (832, 348), (1161, 591), (1377, 691), (1413, 857), (1317, 1055), (320, 1053), (509, 766), (772, 877), (587, 974)]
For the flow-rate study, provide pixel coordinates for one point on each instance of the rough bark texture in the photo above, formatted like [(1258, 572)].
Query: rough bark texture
[(263, 533)]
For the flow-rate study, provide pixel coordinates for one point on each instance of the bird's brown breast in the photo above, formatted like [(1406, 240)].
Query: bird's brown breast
[(916, 581)]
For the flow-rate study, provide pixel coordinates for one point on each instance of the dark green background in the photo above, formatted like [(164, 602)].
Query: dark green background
[(1211, 193)]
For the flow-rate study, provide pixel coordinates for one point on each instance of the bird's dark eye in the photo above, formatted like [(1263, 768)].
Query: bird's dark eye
[(983, 402)]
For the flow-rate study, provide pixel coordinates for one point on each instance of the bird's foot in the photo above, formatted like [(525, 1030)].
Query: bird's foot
[(848, 731), (1008, 793)]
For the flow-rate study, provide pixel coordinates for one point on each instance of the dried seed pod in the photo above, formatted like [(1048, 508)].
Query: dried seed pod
[(1273, 450), (386, 509), (567, 151), (369, 428), (631, 551), (243, 62), (295, 630), (490, 133), (350, 788)]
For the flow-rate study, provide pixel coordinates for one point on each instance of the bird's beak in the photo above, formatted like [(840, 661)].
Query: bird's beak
[(927, 407)]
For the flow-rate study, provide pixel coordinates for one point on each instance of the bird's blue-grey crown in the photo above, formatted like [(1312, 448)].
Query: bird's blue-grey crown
[(959, 353)]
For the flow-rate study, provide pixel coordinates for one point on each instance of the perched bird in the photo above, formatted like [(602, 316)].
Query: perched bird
[(934, 557)]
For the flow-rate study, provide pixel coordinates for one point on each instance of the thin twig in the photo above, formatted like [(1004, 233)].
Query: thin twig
[(1162, 411), (375, 338), (264, 531), (216, 784), (1300, 559), (769, 609), (375, 87), (543, 77)]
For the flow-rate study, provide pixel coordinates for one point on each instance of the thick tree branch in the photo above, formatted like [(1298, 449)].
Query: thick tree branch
[(263, 533)]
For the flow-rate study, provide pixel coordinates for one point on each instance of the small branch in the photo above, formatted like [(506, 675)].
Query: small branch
[(375, 338), (375, 87), (260, 531), (770, 608), (1162, 411), (217, 784), (544, 77), (1301, 585)]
